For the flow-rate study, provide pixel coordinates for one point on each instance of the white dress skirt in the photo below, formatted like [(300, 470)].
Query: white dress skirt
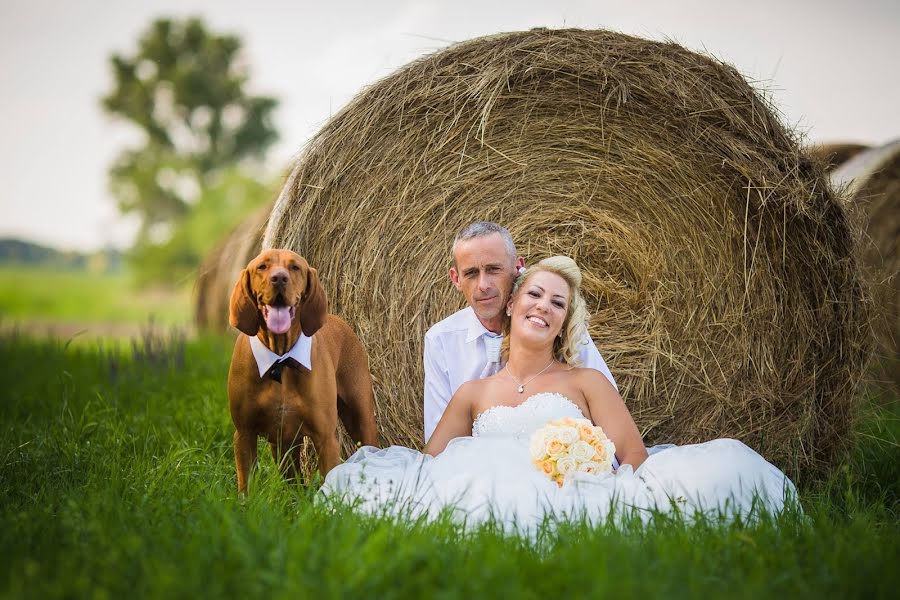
[(490, 476)]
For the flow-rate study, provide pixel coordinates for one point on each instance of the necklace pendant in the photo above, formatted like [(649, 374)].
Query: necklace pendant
[(521, 389)]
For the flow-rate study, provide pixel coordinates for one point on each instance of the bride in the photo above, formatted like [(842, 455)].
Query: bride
[(477, 464)]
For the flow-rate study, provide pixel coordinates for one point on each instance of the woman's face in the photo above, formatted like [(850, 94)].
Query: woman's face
[(539, 307)]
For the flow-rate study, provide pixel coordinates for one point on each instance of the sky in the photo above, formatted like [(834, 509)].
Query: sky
[(829, 66)]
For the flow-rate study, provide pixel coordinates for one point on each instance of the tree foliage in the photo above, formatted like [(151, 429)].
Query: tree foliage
[(185, 89), (223, 203)]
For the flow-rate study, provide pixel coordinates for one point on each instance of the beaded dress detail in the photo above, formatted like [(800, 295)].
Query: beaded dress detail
[(489, 476), (525, 418)]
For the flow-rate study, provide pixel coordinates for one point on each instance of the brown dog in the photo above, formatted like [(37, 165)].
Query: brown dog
[(276, 298)]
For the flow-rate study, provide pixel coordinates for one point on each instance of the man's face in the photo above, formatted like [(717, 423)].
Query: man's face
[(484, 273)]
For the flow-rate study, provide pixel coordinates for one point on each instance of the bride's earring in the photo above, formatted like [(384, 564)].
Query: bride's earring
[(508, 313)]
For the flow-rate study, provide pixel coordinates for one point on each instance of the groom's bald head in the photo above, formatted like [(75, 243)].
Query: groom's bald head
[(481, 229)]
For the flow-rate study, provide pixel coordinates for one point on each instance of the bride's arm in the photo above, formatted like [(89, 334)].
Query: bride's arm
[(608, 410), (455, 422)]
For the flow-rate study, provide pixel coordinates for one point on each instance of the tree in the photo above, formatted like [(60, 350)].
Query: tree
[(221, 206), (185, 90)]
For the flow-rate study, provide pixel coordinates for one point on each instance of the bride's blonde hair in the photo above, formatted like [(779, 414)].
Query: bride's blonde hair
[(567, 345)]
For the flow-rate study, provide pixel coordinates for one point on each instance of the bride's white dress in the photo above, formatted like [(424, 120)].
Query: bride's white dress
[(490, 476)]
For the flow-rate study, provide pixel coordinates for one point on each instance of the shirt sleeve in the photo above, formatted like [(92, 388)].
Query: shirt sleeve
[(591, 358), (437, 386)]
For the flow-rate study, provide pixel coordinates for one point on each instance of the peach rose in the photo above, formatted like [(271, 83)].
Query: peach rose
[(548, 467), (555, 447), (586, 432)]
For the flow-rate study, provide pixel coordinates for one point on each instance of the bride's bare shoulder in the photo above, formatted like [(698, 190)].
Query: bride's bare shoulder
[(588, 377), (469, 390), (584, 372), (472, 385)]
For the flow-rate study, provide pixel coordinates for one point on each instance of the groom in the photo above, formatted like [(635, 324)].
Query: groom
[(466, 345)]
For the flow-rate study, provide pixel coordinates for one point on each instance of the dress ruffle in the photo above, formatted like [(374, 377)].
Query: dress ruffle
[(490, 476)]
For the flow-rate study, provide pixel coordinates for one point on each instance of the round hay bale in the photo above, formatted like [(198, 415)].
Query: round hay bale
[(717, 264), (833, 155), (220, 269), (871, 184)]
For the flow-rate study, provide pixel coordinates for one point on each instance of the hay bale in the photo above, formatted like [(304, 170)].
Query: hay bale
[(835, 154), (717, 264), (220, 269), (871, 184)]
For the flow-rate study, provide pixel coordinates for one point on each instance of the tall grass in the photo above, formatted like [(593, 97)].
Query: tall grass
[(117, 479)]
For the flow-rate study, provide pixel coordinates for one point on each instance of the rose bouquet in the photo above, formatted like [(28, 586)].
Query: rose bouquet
[(569, 446)]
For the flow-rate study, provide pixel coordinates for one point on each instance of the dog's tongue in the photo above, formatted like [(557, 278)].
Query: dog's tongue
[(278, 320)]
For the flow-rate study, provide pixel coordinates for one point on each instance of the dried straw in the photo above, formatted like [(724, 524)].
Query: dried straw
[(717, 264), (871, 184)]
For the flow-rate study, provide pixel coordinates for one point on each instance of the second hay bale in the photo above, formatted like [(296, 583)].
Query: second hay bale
[(833, 155), (871, 184)]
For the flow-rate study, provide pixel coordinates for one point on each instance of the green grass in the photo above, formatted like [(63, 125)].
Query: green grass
[(53, 295), (117, 480)]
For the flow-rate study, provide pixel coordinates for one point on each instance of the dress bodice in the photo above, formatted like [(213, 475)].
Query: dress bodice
[(524, 418)]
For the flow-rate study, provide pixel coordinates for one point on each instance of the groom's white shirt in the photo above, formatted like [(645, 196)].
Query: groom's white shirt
[(455, 353)]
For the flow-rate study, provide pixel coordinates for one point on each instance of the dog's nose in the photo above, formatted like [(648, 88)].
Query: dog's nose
[(279, 278)]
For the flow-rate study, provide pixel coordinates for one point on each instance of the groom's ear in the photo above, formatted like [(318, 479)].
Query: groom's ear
[(520, 263), (454, 277)]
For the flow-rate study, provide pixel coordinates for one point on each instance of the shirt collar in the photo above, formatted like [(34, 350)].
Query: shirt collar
[(265, 358), (474, 328)]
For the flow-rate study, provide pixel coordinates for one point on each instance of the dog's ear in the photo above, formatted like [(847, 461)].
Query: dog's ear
[(243, 314), (315, 304)]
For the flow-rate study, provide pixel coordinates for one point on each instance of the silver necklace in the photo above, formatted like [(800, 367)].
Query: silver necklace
[(521, 388)]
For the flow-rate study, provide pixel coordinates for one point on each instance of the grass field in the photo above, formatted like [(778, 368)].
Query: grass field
[(117, 480), (97, 304)]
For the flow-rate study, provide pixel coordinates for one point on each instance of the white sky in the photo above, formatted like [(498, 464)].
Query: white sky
[(831, 67)]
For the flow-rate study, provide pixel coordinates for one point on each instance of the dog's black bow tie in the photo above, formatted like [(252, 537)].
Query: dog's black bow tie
[(274, 371)]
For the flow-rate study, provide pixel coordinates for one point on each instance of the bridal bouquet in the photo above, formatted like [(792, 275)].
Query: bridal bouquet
[(571, 445)]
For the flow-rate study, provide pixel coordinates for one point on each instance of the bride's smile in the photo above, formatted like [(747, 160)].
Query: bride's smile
[(537, 321)]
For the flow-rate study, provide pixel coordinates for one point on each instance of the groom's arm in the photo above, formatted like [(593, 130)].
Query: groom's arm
[(591, 358), (437, 386)]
